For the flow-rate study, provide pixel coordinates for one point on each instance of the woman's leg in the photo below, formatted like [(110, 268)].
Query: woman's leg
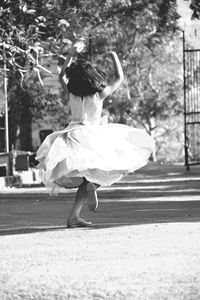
[(80, 199), (92, 199), (85, 192)]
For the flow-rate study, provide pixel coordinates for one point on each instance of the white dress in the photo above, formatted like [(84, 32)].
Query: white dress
[(102, 153)]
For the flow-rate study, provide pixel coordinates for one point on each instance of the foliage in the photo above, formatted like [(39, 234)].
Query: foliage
[(28, 31), (195, 6), (139, 31), (147, 31)]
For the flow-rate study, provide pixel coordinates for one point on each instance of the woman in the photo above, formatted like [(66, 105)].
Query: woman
[(88, 154)]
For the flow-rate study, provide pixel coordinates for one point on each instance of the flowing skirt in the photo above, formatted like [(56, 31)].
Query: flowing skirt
[(103, 154)]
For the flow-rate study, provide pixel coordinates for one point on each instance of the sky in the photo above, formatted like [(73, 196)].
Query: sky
[(191, 27)]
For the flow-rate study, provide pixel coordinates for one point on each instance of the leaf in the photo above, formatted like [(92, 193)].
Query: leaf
[(63, 22), (31, 11), (42, 18), (66, 41), (24, 8)]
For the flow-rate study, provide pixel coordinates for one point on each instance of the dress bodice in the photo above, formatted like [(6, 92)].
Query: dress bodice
[(86, 110)]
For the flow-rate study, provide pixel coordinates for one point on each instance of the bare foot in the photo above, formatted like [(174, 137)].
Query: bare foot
[(78, 222)]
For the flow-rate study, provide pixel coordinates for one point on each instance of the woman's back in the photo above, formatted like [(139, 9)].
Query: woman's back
[(86, 110)]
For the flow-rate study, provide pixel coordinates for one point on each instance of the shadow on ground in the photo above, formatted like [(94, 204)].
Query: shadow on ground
[(131, 204), (153, 195)]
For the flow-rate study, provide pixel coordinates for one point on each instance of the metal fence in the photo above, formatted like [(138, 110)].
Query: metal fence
[(191, 64)]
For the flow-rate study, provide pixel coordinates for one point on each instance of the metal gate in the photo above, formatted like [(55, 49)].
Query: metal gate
[(191, 64)]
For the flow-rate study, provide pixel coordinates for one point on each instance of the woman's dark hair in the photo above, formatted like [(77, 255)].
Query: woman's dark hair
[(85, 79)]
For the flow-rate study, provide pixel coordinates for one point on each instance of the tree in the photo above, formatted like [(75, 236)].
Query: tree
[(145, 29), (36, 29), (195, 6), (151, 49), (28, 34)]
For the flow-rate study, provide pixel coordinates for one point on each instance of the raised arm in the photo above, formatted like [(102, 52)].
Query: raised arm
[(119, 76), (76, 48)]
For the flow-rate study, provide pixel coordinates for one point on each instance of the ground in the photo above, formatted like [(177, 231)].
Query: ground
[(144, 244)]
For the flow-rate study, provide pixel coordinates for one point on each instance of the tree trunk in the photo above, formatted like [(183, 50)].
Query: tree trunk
[(153, 135), (26, 130)]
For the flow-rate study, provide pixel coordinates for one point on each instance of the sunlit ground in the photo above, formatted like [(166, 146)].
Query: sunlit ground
[(154, 261), (144, 244)]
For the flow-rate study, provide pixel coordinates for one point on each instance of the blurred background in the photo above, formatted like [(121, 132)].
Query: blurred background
[(149, 37)]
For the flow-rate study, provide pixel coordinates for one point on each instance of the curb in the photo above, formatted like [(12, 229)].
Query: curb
[(10, 181), (22, 179), (150, 174)]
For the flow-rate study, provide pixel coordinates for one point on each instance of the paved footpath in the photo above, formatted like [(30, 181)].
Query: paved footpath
[(145, 242)]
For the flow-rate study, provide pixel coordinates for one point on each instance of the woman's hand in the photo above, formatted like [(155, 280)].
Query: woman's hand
[(77, 47), (119, 75)]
